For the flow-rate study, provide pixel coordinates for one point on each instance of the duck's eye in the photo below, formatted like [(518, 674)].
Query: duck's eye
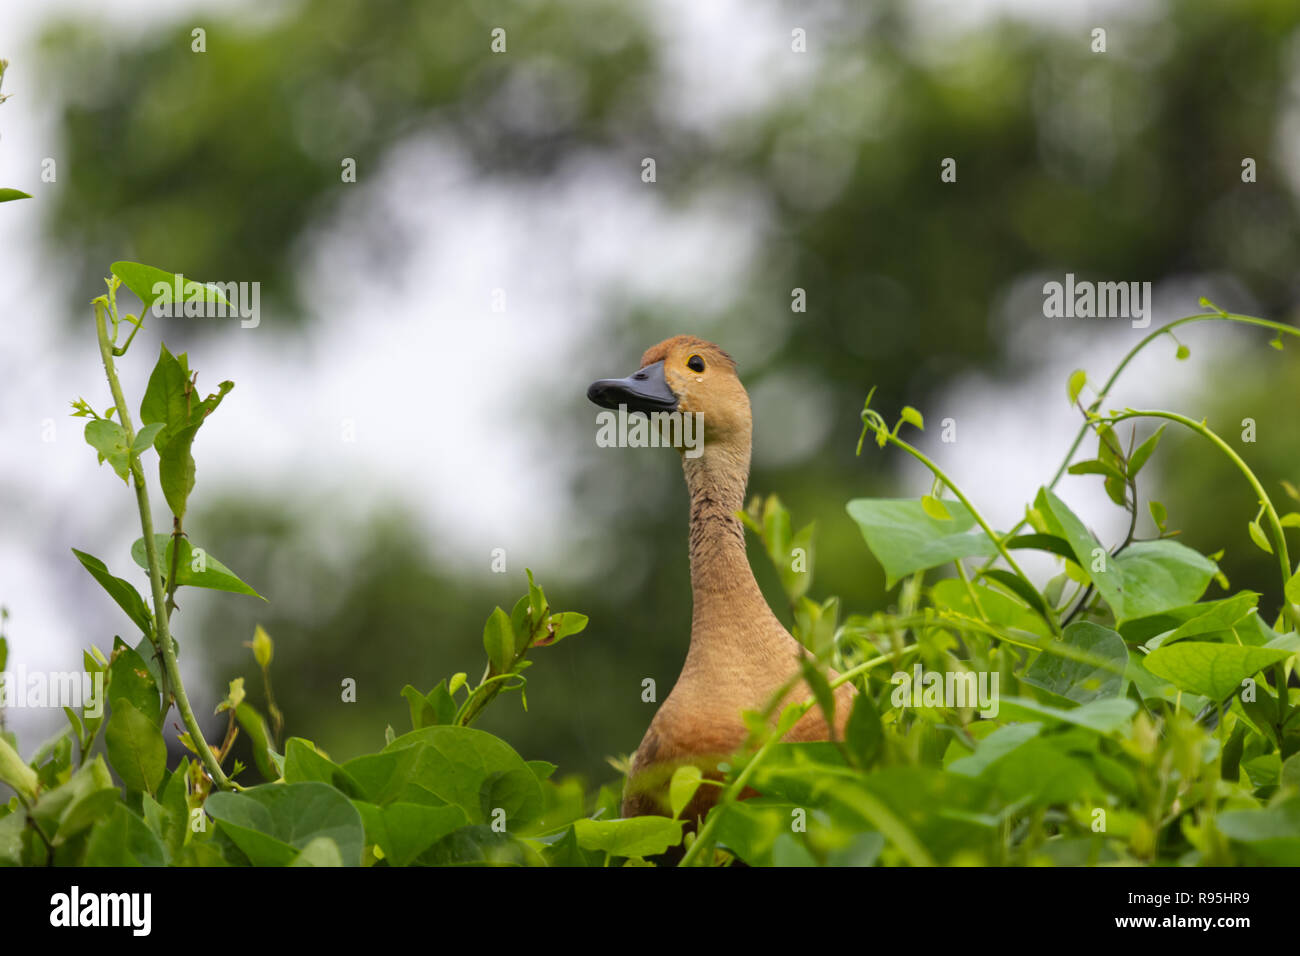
[(695, 363)]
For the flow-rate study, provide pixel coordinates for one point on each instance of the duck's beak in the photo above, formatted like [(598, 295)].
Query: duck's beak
[(645, 390)]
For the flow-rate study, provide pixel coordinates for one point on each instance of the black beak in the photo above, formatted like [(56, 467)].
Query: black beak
[(645, 390)]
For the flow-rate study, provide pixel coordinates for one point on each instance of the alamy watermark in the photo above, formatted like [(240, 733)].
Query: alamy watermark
[(949, 689), (1098, 300), (182, 299), (651, 430), (22, 688), (74, 908)]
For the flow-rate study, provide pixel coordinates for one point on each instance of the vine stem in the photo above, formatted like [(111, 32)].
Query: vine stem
[(162, 627), (1217, 316), (1275, 523), (939, 473)]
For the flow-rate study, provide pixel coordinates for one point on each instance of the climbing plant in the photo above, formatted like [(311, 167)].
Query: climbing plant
[(8, 194), (1132, 709), (102, 792)]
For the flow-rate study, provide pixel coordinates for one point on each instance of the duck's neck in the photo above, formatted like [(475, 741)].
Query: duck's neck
[(722, 583)]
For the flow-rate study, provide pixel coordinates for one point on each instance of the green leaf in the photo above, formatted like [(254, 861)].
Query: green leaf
[(144, 438), (170, 398), (935, 508), (561, 625), (536, 597), (1104, 715), (109, 440), (259, 736), (1257, 535), (1146, 578), (385, 777), (422, 713), (303, 763), (1116, 490), (15, 835), (864, 733), (1062, 523), (681, 789), (1002, 609), (821, 690), (193, 569), (776, 530), (1144, 451), (1211, 670), (479, 845), (634, 837), (794, 582), (135, 747), (437, 707), (405, 830), (123, 839), (444, 708), (994, 747), (1095, 466), (15, 772), (912, 417), (905, 539), (542, 769), (1207, 617), (919, 810), (1293, 588), (71, 807), (1078, 379), (319, 851), (791, 850), (499, 641), (175, 809), (469, 768), (263, 647), (57, 759), (750, 830), (566, 852), (1018, 586), (1041, 542), (130, 680), (120, 590), (1040, 774), (273, 823), (147, 283), (1155, 576), (1078, 680), (9, 195), (1272, 832)]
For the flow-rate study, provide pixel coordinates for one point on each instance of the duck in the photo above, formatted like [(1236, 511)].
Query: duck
[(739, 654)]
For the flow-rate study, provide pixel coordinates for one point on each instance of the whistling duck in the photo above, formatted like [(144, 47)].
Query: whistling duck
[(739, 654)]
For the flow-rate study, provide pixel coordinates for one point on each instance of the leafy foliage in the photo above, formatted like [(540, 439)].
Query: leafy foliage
[(1114, 714), (8, 194)]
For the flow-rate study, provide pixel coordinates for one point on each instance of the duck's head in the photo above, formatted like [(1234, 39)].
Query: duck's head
[(688, 375)]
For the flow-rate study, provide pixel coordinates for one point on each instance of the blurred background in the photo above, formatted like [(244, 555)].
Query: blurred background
[(390, 428)]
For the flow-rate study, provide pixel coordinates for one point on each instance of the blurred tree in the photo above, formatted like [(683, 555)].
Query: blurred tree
[(1117, 165)]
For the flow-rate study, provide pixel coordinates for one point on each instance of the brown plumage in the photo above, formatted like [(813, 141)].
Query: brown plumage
[(739, 653)]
